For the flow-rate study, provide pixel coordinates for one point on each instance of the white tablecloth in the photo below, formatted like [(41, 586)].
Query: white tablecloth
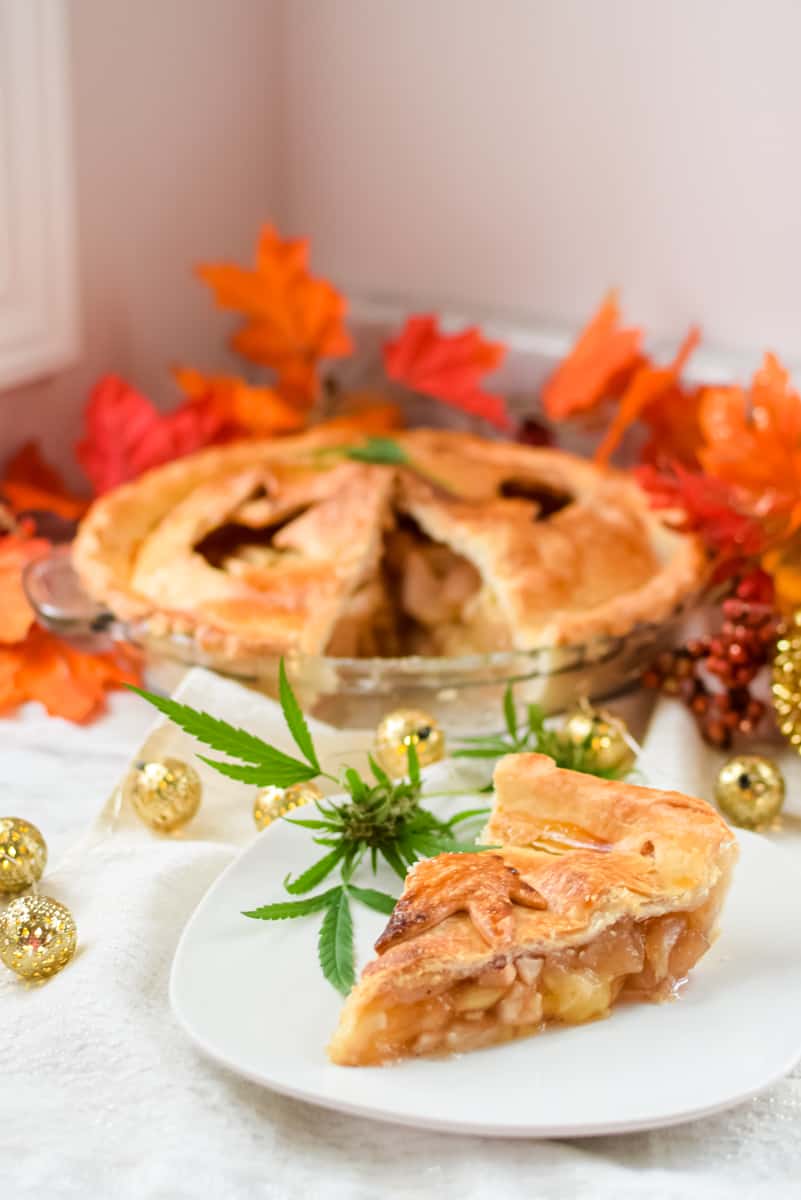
[(102, 1095)]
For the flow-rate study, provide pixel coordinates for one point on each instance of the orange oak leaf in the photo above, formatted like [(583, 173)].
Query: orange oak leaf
[(30, 483), (292, 319), (753, 440), (448, 367), (649, 387), (599, 365), (124, 434), (16, 551), (243, 408), (69, 683)]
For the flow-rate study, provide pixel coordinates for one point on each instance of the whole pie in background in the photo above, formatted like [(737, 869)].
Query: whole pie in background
[(280, 547)]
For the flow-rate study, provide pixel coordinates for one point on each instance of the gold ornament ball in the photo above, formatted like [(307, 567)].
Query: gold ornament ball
[(23, 854), (786, 684), (750, 790), (603, 735), (37, 936), (274, 802), (165, 793), (403, 728)]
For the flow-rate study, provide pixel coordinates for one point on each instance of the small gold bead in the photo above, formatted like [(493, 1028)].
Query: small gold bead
[(750, 790), (401, 729), (165, 793), (23, 855), (271, 803)]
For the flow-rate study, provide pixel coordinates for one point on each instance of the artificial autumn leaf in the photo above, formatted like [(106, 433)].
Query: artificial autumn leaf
[(30, 483), (649, 387), (242, 407), (448, 367), (599, 365), (707, 506), (293, 320), (124, 434), (365, 413), (783, 563), (753, 440), (16, 551), (69, 683), (674, 429)]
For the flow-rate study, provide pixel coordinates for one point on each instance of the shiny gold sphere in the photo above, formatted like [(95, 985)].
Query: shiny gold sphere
[(403, 728), (786, 684), (23, 854), (37, 936), (274, 802), (750, 790), (165, 793), (603, 736)]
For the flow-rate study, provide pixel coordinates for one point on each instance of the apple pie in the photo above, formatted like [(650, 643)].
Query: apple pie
[(469, 546), (592, 891)]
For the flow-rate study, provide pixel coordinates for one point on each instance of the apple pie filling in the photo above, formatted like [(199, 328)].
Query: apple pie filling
[(514, 997)]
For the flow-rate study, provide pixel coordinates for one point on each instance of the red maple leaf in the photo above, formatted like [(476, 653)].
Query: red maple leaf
[(448, 367), (124, 434), (707, 506)]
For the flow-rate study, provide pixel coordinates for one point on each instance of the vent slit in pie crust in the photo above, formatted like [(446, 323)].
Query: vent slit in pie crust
[(597, 892)]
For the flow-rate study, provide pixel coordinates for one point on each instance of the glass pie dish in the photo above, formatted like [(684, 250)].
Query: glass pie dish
[(464, 691)]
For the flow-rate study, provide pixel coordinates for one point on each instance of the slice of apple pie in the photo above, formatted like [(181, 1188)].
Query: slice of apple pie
[(597, 891)]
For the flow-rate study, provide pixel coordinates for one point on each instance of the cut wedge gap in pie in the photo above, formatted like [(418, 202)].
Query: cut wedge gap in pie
[(592, 892)]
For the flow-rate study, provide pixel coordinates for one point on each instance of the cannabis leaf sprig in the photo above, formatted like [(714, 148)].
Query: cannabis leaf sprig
[(377, 817), (380, 451), (528, 734)]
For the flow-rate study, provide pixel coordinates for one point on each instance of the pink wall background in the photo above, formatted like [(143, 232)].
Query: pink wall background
[(523, 155), (516, 157)]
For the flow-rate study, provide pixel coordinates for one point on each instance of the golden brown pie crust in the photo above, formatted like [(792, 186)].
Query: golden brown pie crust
[(500, 546)]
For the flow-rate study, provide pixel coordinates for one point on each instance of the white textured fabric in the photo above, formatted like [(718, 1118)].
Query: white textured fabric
[(101, 1094)]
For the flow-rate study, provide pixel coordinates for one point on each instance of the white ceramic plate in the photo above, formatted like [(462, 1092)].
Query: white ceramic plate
[(251, 995)]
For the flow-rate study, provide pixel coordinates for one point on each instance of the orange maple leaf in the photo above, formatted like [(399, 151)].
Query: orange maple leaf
[(752, 440), (293, 320), (448, 367), (648, 388), (16, 551), (243, 407), (598, 366), (69, 683), (30, 483)]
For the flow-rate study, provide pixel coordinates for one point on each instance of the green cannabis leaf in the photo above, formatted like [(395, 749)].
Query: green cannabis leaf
[(266, 764), (335, 943), (532, 735), (295, 720), (286, 909), (382, 451)]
